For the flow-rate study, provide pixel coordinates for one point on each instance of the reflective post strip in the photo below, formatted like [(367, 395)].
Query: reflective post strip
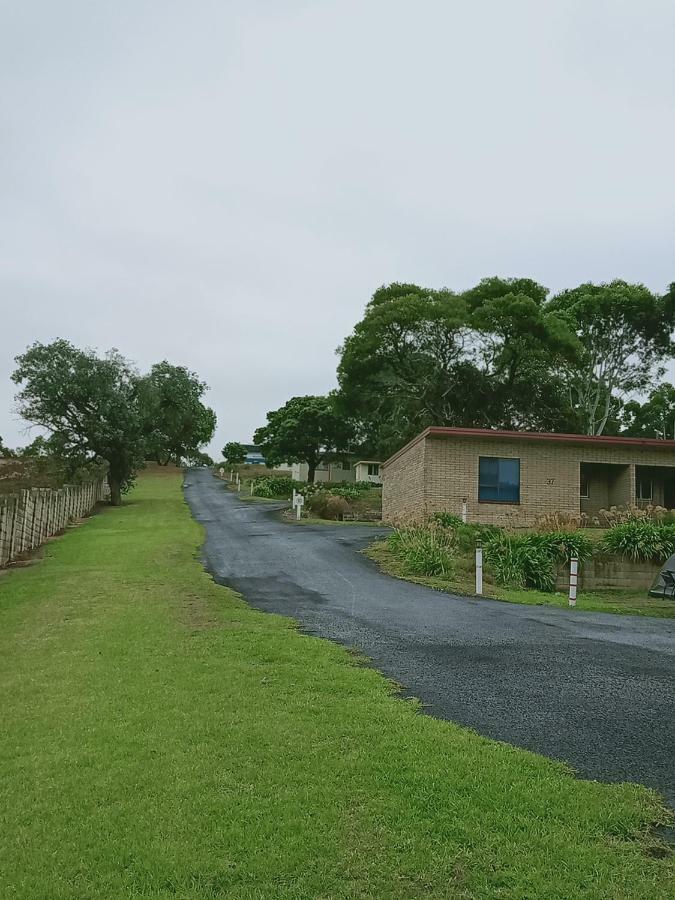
[(479, 567), (574, 568)]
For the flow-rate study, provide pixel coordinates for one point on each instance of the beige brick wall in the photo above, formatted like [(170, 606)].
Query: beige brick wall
[(403, 486), (439, 472), (549, 480)]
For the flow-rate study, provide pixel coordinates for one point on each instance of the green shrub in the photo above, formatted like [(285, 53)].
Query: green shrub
[(273, 486), (336, 508), (346, 491), (465, 534), (326, 505), (641, 539), (520, 562), (529, 560), (423, 550), (447, 520), (562, 545), (316, 503), (350, 490)]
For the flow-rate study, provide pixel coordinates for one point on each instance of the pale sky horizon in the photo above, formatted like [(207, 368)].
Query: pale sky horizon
[(224, 185)]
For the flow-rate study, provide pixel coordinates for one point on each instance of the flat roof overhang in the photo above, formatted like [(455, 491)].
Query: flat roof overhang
[(547, 436)]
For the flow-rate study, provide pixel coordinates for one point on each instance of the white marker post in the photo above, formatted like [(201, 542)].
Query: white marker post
[(574, 569), (231, 474), (221, 471), (464, 511), (299, 503), (479, 568), (251, 487)]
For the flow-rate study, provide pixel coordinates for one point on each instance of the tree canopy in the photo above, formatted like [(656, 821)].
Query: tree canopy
[(484, 358), (625, 337), (234, 452), (306, 429), (501, 355), (655, 418), (176, 422), (101, 410), (89, 404)]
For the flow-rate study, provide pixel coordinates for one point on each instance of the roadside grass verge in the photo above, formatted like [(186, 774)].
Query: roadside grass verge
[(161, 739), (462, 581)]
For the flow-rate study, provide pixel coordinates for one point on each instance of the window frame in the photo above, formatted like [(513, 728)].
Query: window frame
[(508, 501), (373, 466), (584, 496), (639, 482)]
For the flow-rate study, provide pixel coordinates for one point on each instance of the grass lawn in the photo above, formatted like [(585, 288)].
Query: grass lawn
[(160, 739), (463, 582)]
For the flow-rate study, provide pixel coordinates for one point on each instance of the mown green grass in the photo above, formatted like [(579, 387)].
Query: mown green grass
[(462, 581), (160, 739)]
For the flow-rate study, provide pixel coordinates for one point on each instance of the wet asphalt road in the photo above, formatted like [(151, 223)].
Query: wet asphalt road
[(592, 689)]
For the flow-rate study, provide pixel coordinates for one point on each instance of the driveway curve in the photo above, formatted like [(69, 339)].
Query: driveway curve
[(592, 689)]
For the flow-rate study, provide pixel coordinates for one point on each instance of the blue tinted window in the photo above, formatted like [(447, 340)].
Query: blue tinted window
[(499, 479)]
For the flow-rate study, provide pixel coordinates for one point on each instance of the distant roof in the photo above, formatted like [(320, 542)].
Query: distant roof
[(367, 462), (598, 440)]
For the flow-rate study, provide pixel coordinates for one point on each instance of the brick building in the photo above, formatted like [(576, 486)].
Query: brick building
[(514, 477)]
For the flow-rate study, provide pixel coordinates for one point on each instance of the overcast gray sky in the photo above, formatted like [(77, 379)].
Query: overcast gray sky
[(225, 184)]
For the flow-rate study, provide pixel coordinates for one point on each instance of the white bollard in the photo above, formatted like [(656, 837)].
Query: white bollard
[(464, 511), (231, 474), (479, 568), (574, 569), (251, 488), (298, 511)]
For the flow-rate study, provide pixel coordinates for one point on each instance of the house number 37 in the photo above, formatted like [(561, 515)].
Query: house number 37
[(550, 481)]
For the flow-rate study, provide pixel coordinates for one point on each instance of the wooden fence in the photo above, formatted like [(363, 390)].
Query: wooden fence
[(29, 517)]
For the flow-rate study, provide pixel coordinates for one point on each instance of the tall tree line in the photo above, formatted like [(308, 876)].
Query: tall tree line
[(503, 354)]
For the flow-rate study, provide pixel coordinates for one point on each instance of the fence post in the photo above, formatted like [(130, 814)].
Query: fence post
[(574, 568), (14, 529), (4, 524), (479, 567)]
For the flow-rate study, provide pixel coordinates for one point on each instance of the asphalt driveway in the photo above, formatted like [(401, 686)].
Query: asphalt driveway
[(592, 689)]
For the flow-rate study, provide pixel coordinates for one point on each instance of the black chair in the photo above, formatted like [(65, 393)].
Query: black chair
[(668, 583)]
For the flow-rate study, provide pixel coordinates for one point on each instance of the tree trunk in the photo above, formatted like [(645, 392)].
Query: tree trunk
[(115, 491), (311, 469)]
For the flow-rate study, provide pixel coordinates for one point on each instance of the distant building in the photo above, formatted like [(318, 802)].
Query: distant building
[(515, 477), (253, 456), (368, 470), (326, 471)]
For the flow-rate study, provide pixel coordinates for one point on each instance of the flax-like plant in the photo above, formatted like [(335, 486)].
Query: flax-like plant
[(641, 540), (424, 550)]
